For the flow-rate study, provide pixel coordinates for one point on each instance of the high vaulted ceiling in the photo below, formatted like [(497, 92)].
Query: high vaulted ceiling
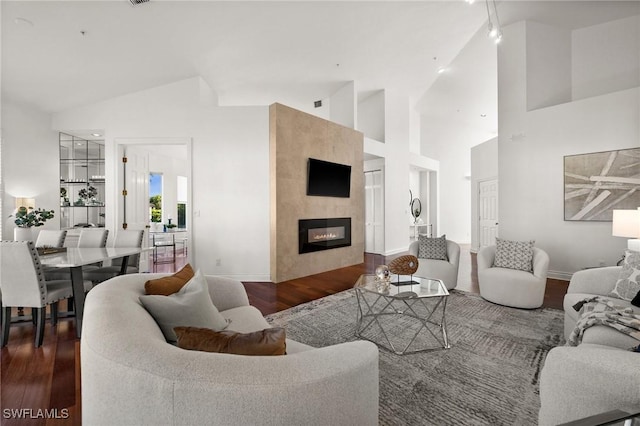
[(62, 54)]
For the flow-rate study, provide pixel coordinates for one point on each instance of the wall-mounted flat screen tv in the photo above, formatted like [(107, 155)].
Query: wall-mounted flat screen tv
[(328, 179)]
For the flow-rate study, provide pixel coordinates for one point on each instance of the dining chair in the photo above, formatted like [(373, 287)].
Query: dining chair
[(93, 238), (23, 284), (89, 238), (123, 239), (51, 238)]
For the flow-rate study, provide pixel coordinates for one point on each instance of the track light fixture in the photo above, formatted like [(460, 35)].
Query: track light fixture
[(494, 30)]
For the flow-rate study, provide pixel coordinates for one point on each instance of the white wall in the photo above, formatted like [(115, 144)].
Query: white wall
[(344, 106), (605, 58), (371, 113), (484, 166), (30, 163), (548, 65), (531, 150), (230, 173)]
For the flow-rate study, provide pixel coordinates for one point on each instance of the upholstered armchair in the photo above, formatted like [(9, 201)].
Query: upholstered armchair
[(512, 287), (445, 270)]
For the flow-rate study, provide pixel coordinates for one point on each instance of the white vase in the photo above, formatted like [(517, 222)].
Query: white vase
[(22, 234)]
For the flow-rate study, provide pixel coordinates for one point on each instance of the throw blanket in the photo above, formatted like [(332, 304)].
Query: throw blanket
[(602, 311)]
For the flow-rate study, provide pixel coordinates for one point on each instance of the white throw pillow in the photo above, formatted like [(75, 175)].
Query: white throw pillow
[(628, 284), (189, 307)]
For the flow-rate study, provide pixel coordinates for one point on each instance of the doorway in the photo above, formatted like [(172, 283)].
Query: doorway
[(168, 158), (374, 212), (487, 212)]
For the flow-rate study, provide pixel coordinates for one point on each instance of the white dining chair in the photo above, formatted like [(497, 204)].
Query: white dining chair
[(123, 239), (51, 238), (23, 284)]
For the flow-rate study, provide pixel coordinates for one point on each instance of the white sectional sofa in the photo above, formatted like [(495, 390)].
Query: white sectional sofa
[(598, 375), (131, 375)]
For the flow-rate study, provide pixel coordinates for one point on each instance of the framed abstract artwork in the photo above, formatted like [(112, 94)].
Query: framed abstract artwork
[(597, 183)]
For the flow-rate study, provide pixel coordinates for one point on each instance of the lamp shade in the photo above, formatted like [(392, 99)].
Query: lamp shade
[(626, 223), (29, 203)]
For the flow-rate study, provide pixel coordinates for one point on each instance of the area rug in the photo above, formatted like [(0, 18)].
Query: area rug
[(489, 376)]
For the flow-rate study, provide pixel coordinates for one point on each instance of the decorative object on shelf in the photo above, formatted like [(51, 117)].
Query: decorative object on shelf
[(64, 201), (88, 195), (170, 227), (416, 209)]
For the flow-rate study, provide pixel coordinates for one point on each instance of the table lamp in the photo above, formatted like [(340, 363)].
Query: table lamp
[(626, 223)]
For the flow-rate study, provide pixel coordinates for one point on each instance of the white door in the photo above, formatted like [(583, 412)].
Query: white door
[(374, 213), (487, 212), (136, 206)]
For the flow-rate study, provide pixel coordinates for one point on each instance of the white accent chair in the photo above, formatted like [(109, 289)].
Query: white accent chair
[(23, 285), (51, 238), (512, 287), (445, 270), (123, 239)]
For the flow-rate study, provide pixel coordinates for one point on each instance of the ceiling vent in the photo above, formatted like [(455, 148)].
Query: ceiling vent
[(137, 2)]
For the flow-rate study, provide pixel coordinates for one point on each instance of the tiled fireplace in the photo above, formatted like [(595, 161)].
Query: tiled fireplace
[(323, 234)]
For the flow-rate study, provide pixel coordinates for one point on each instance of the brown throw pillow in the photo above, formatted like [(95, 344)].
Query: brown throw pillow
[(171, 284), (270, 341)]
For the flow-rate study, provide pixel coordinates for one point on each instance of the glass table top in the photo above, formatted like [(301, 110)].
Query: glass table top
[(402, 286)]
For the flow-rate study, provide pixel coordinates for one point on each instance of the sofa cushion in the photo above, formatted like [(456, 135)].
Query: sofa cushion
[(170, 284), (628, 284), (514, 255), (270, 341), (190, 307), (432, 248)]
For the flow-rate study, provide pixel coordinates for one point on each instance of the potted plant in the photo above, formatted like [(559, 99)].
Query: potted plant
[(88, 195), (26, 218)]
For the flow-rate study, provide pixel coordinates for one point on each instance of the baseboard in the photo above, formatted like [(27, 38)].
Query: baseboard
[(559, 275), (247, 277), (396, 251)]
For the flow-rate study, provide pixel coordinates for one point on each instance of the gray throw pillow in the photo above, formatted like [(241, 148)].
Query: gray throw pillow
[(189, 307), (628, 284), (432, 248), (514, 255)]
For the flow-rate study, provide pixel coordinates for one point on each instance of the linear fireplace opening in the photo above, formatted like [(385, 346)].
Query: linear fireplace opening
[(323, 234)]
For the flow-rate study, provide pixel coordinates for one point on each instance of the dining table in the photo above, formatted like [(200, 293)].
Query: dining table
[(75, 258)]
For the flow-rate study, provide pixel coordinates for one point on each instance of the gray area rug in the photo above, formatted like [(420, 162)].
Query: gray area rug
[(488, 377)]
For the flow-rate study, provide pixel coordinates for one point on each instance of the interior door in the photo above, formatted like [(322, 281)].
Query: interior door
[(374, 213), (487, 212), (136, 209)]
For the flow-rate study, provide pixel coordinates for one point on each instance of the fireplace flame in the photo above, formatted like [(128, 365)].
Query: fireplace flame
[(324, 237)]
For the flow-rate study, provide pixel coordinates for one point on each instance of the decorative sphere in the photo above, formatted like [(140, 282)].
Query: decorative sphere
[(382, 272)]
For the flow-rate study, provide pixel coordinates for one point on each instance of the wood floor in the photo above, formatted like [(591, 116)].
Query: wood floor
[(48, 378)]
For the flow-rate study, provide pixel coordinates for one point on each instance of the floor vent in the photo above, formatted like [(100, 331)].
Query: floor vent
[(137, 2)]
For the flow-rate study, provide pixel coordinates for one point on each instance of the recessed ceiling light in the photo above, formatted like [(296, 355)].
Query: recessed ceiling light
[(441, 70), (23, 21), (96, 134), (483, 115)]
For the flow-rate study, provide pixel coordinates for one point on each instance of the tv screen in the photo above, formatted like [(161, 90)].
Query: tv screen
[(328, 179)]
